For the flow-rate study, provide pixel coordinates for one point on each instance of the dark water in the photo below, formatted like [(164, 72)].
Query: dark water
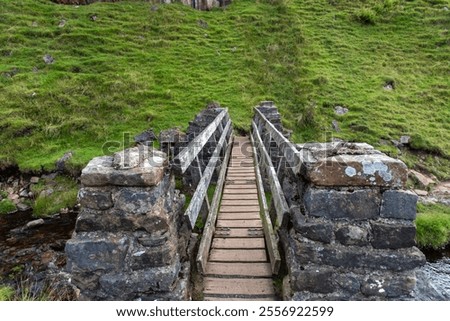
[(434, 256), (22, 248)]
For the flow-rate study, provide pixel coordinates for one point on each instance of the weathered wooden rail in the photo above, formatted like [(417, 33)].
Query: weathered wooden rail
[(188, 159), (263, 135)]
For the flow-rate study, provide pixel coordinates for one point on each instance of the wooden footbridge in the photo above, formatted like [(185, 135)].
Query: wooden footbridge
[(238, 254)]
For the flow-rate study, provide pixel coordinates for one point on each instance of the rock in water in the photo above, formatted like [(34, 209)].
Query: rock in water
[(34, 224)]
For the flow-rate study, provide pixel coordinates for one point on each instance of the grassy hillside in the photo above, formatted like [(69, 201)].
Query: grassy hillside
[(127, 66)]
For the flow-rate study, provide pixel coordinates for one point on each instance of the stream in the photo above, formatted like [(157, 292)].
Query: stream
[(37, 254), (34, 257)]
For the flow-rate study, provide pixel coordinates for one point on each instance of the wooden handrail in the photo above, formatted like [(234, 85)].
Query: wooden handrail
[(288, 150), (269, 233), (183, 160), (201, 192), (210, 225), (281, 206)]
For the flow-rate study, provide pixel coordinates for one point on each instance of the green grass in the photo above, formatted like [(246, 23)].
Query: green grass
[(64, 195), (134, 68), (433, 226), (6, 206), (6, 293)]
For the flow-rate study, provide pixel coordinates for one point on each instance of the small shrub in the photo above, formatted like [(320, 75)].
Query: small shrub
[(6, 293), (433, 226), (6, 206), (365, 16)]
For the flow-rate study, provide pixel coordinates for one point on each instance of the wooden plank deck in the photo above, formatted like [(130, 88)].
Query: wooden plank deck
[(238, 266)]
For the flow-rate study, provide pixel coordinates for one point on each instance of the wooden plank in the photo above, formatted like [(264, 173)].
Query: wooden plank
[(288, 149), (184, 159), (270, 236), (247, 255), (238, 243), (239, 223), (234, 298), (200, 193), (239, 269), (240, 202), (281, 206), (209, 228), (239, 216), (241, 191), (241, 181), (236, 209), (241, 175), (230, 185), (239, 232), (244, 197), (261, 286)]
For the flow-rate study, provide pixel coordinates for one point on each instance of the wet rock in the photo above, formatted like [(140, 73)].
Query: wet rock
[(34, 224), (34, 180)]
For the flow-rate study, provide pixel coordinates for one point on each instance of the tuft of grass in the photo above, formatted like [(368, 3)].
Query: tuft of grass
[(64, 195), (433, 225), (6, 293), (6, 206), (366, 16)]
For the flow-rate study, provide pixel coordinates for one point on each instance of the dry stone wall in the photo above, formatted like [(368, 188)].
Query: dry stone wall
[(351, 232), (130, 239)]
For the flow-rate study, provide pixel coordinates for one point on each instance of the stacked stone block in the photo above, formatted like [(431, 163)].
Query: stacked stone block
[(352, 232), (130, 239)]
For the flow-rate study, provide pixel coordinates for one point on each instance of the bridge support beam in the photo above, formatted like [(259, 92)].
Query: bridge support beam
[(130, 240)]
